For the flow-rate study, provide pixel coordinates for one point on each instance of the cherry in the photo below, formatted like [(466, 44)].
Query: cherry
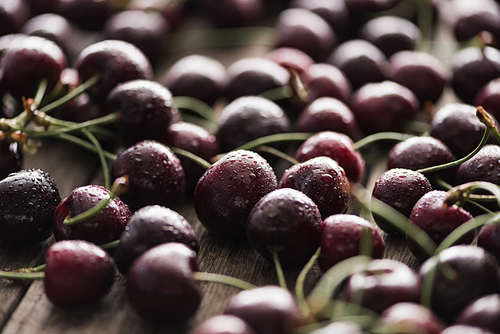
[(11, 158), (342, 237), (481, 167), (304, 30), (401, 189), (223, 324), (412, 318), (471, 19), (326, 80), (196, 76), (13, 14), (160, 285), (232, 13), (421, 72), (327, 114), (253, 76), (462, 329), (488, 97), (383, 283), (291, 59), (29, 60), (194, 139), (102, 228), (227, 192), (422, 152), (337, 146), (383, 106), (459, 128), (391, 34), (144, 29), (489, 239), (472, 273), (340, 327), (151, 226), (321, 179), (77, 273), (87, 14), (268, 309), (145, 110), (437, 219), (155, 175), (472, 69), (43, 6), (361, 62), (114, 62), (368, 6), (248, 118), (483, 312), (174, 12), (285, 221), (28, 200)]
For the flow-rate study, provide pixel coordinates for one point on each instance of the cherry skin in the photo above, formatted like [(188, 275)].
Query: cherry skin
[(489, 97), (160, 285), (268, 309), (155, 175), (151, 226), (223, 324), (472, 19), (253, 76), (174, 12), (233, 13), (337, 146), (227, 192), (400, 189), (11, 158), (28, 200), (87, 14), (461, 329), (196, 76), (114, 62), (13, 14), (368, 6), (489, 239), (285, 221), (145, 110), (102, 228), (321, 179), (474, 274), (248, 118), (326, 80), (77, 273), (341, 238), (483, 312), (340, 327), (290, 58), (412, 318), (481, 167)]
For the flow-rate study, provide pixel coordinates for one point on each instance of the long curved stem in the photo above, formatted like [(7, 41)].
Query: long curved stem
[(102, 157), (279, 269), (299, 284), (218, 278)]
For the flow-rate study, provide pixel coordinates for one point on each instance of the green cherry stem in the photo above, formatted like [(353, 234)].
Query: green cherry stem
[(84, 144), (120, 186), (110, 245), (102, 157), (24, 276), (278, 153), (193, 157), (299, 284), (42, 89), (380, 136), (276, 138), (198, 106), (277, 266), (218, 278), (277, 94)]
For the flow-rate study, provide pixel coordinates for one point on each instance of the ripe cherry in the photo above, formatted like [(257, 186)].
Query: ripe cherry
[(11, 158), (489, 239), (326, 80), (483, 312), (489, 97), (223, 324), (413, 318), (291, 59), (77, 273)]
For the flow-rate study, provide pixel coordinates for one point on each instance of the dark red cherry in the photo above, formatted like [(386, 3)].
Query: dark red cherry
[(29, 60), (413, 318), (457, 126), (223, 324), (370, 6), (268, 309), (43, 6), (327, 114), (438, 220), (151, 226), (304, 30), (102, 228), (13, 14), (361, 62), (383, 106), (155, 175), (463, 329), (326, 80), (483, 312), (173, 11), (11, 158), (248, 118), (337, 146), (472, 69), (383, 283), (471, 18), (88, 14), (401, 189), (144, 29), (145, 110), (489, 98), (484, 166), (474, 273), (322, 180), (291, 59), (340, 327), (114, 62), (391, 34), (196, 76), (227, 192), (253, 76), (160, 286), (489, 239), (195, 139), (77, 273), (233, 13), (342, 236), (288, 222), (422, 152), (424, 74), (28, 200)]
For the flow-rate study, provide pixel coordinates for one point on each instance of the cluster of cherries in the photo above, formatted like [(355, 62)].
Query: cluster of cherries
[(344, 82)]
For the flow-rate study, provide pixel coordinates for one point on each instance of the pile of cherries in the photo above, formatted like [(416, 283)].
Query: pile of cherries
[(345, 82)]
